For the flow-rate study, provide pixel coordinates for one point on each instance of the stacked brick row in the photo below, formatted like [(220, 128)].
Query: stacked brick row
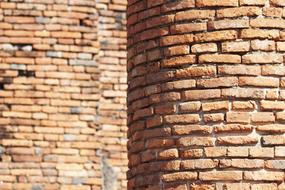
[(206, 94), (61, 125)]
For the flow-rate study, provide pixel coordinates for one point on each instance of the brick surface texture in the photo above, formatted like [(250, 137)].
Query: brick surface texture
[(206, 94), (63, 95)]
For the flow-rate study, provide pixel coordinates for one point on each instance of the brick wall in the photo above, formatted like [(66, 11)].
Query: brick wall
[(206, 94), (62, 95)]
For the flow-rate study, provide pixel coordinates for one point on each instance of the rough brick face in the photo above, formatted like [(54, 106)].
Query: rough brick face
[(62, 94), (217, 91)]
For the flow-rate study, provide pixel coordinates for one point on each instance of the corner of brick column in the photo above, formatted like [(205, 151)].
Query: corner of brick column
[(206, 94)]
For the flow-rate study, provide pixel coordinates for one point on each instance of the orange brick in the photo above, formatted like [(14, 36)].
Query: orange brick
[(194, 14), (238, 11), (205, 3), (221, 175), (222, 35), (220, 58)]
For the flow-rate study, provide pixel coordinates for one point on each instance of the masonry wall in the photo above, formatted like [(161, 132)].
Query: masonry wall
[(62, 95), (206, 94)]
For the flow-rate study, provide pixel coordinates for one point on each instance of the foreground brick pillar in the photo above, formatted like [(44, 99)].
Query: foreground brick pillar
[(206, 94)]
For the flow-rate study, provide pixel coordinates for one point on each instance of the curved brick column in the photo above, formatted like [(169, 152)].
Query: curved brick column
[(206, 94)]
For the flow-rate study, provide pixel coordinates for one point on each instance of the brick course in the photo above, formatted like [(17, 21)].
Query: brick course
[(206, 98)]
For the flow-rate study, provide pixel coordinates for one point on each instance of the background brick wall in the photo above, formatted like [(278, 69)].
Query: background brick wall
[(206, 94), (62, 94)]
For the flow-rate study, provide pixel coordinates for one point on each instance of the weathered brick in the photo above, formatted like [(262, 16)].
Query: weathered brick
[(215, 151), (270, 140), (190, 106), (214, 117), (217, 82), (185, 118), (252, 2), (258, 152), (242, 163), (243, 105), (196, 72), (228, 24), (171, 6), (197, 141), (272, 105), (235, 46), (267, 23), (191, 153), (263, 176), (206, 47), (199, 164), (189, 129), (194, 14), (187, 28), (177, 50), (181, 84), (205, 3), (263, 45), (179, 61), (277, 2), (215, 106), (279, 151), (232, 128), (220, 58), (262, 117), (222, 35), (264, 186), (176, 39), (244, 186), (238, 117), (239, 70), (262, 58), (272, 12), (237, 151), (274, 70), (259, 34), (237, 140), (202, 94), (179, 176), (238, 11), (220, 175), (275, 164), (259, 81)]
